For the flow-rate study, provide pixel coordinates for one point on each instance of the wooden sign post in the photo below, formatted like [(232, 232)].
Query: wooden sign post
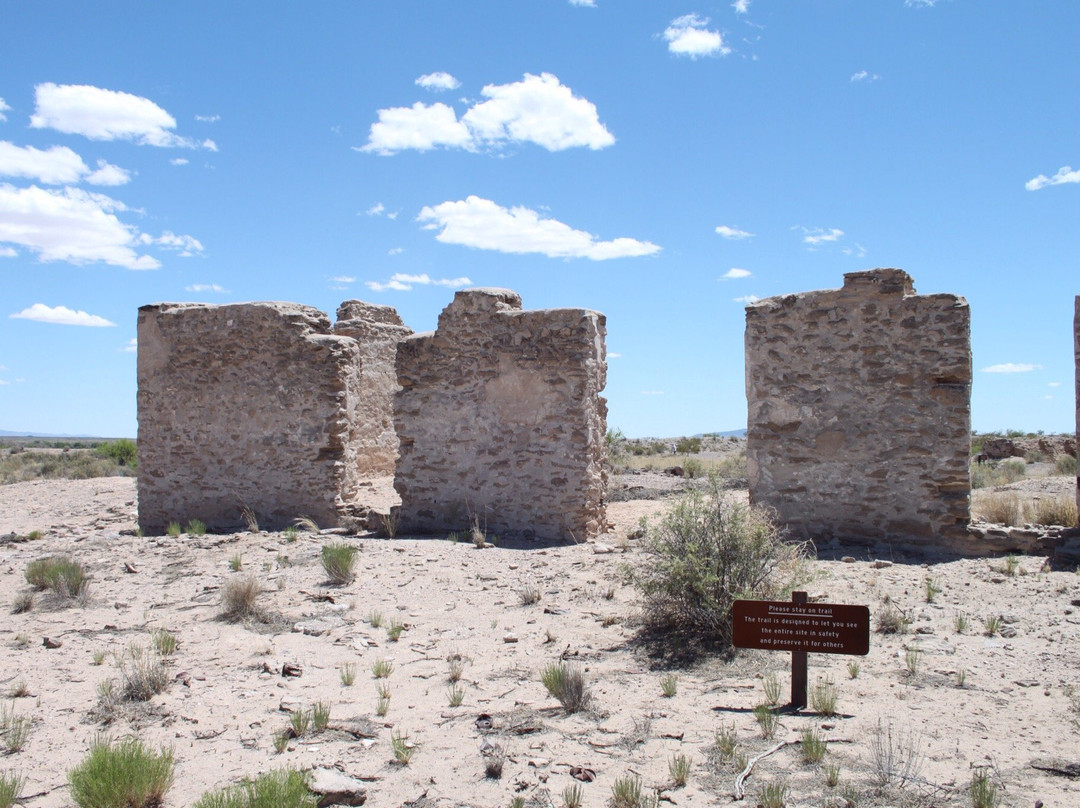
[(801, 628)]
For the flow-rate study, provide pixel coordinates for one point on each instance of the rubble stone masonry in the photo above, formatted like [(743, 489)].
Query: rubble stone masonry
[(501, 421), (377, 331), (245, 405), (859, 411)]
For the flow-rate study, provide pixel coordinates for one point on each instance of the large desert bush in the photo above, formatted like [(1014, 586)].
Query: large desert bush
[(708, 551), (284, 788), (125, 774), (60, 574)]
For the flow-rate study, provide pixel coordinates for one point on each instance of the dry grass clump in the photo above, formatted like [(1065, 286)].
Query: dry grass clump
[(891, 620), (76, 464), (338, 559), (1054, 511), (704, 553), (125, 774), (144, 673), (14, 729), (61, 575), (896, 755), (1002, 508), (990, 475), (239, 598), (285, 788), (567, 684), (10, 788)]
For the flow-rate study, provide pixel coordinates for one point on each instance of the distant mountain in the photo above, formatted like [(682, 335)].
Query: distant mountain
[(6, 433)]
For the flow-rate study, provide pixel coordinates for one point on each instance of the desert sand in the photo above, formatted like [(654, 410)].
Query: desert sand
[(227, 697)]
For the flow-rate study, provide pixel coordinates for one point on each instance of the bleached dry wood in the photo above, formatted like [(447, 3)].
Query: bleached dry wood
[(740, 792)]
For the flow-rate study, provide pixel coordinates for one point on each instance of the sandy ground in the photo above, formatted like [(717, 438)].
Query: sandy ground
[(228, 698)]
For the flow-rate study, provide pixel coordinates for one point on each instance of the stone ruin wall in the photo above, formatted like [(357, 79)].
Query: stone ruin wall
[(256, 405), (500, 418), (1076, 345), (859, 411), (377, 331)]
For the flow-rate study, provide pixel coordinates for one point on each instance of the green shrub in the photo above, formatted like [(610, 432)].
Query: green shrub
[(705, 553), (338, 559), (59, 574), (567, 684), (123, 451), (10, 789), (285, 788), (1065, 465), (125, 774)]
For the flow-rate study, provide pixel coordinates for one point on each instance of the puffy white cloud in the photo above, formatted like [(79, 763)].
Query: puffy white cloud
[(733, 232), (395, 251), (375, 210), (342, 279), (3, 108), (185, 245), (746, 299), (208, 118), (419, 127), (61, 315), (1012, 367), (7, 252), (131, 347), (858, 251), (741, 6), (402, 282), (688, 36), (735, 272), (815, 236), (56, 165), (537, 109), (69, 224), (99, 114), (480, 223), (438, 81), (206, 287), (179, 161), (865, 75), (613, 355), (1064, 175)]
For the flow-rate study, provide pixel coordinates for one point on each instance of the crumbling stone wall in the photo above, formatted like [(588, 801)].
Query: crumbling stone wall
[(377, 331), (1076, 343), (859, 411), (245, 404), (500, 419)]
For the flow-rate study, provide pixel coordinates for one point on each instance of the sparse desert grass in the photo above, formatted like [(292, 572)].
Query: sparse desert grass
[(320, 716), (173, 530), (832, 775), (239, 598), (853, 669), (961, 677), (931, 589), (20, 641), (992, 624), (494, 760), (280, 740), (61, 575), (348, 674), (18, 690), (284, 788), (679, 768), (381, 668), (455, 666), (737, 552), (896, 755), (195, 527), (402, 747), (124, 774), (1054, 510), (338, 560), (1012, 564), (1065, 465), (389, 522), (375, 618), (14, 729), (628, 792), (456, 695), (393, 631), (572, 796), (11, 786), (24, 602), (812, 745), (823, 697), (144, 673), (164, 641), (529, 594), (250, 519), (291, 533), (768, 720), (726, 741), (77, 464), (770, 683), (983, 790), (773, 795), (669, 685), (567, 684), (1001, 507), (300, 723), (911, 661), (891, 620), (236, 563), (960, 623), (1003, 473), (306, 524)]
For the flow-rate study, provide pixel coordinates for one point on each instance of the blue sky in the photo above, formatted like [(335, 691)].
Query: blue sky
[(662, 162)]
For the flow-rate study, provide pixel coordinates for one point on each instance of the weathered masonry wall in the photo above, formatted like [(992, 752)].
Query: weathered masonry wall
[(859, 411), (1076, 343), (377, 331), (245, 405), (500, 420)]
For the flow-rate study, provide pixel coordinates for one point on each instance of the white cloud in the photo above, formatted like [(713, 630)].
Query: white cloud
[(741, 6), (185, 245), (537, 109), (1048, 398), (417, 127), (613, 355), (3, 108), (71, 225), (99, 114), (131, 347), (865, 75), (584, 3), (747, 299), (342, 279), (375, 209), (4, 382), (206, 287), (480, 223), (7, 252), (1064, 175), (402, 282), (920, 3), (1053, 384), (734, 273), (820, 235), (61, 315), (208, 118), (733, 232), (57, 165), (438, 81), (858, 251), (688, 36), (395, 251), (1012, 367), (652, 392), (179, 161)]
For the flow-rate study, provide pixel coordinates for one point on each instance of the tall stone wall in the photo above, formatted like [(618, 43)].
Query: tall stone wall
[(859, 411), (500, 419), (245, 404), (377, 331)]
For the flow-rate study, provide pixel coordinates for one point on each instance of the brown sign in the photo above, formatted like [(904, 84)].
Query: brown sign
[(816, 628)]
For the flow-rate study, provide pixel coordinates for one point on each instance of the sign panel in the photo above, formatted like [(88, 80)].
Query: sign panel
[(816, 628)]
